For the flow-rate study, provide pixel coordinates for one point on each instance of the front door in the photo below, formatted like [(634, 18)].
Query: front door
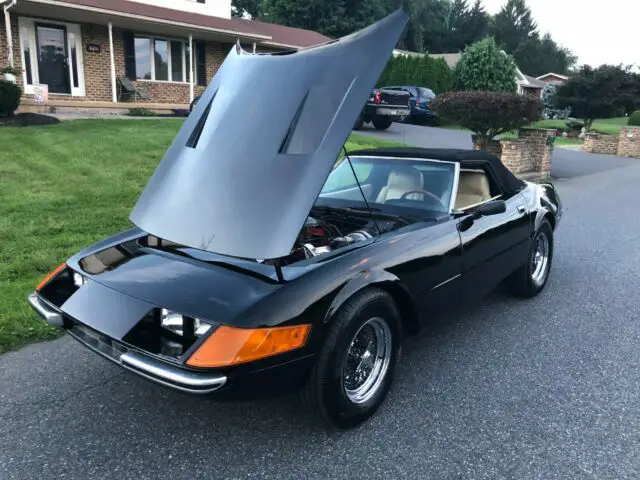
[(493, 247), (53, 67)]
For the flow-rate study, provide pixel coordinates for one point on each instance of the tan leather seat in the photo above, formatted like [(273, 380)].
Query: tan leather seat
[(473, 188), (401, 181)]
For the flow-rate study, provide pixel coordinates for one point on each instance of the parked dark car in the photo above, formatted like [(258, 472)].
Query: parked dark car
[(258, 264), (384, 107), (420, 103)]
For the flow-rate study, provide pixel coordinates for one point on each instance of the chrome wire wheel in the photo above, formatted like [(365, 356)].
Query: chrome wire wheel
[(367, 361), (540, 259)]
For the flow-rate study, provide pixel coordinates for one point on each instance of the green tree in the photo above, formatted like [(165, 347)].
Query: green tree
[(334, 18), (488, 114), (483, 66), (465, 25), (603, 92), (513, 25), (240, 8)]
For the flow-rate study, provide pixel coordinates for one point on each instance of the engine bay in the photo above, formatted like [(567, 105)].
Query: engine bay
[(328, 230)]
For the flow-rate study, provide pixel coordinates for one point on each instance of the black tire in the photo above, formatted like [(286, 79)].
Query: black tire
[(325, 393), (359, 122), (381, 123), (522, 282)]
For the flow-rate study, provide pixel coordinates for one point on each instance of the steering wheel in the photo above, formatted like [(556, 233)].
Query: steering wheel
[(424, 192)]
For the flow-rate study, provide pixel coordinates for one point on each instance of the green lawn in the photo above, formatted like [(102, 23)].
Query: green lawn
[(610, 126), (66, 186)]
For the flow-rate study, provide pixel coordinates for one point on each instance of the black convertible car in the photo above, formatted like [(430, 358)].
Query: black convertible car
[(258, 263)]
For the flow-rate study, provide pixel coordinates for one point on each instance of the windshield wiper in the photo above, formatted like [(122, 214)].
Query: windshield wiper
[(364, 209)]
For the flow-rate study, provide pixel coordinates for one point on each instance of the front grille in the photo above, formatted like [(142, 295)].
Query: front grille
[(146, 366), (97, 341)]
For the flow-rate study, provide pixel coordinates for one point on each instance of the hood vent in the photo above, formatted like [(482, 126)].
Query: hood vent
[(197, 131), (284, 146)]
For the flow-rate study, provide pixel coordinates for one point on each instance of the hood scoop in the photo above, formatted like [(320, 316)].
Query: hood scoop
[(249, 162)]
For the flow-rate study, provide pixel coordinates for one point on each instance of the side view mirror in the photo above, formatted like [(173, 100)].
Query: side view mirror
[(494, 207)]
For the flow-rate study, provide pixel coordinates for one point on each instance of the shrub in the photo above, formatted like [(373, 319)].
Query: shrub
[(484, 67), (634, 119), (422, 71), (10, 95), (12, 70), (574, 124), (141, 112), (488, 114)]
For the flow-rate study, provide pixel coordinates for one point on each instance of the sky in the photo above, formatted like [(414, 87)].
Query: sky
[(597, 31)]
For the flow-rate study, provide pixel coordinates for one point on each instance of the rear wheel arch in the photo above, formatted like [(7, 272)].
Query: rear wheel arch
[(551, 219)]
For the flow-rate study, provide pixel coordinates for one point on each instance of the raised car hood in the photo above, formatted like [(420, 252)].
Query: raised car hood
[(249, 162)]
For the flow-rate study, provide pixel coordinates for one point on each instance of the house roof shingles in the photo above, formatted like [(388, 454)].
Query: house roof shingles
[(534, 81), (276, 34)]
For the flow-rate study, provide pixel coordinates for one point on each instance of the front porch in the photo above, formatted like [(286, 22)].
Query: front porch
[(95, 108), (80, 53)]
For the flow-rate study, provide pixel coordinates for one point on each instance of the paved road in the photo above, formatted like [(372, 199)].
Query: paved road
[(566, 163), (538, 389)]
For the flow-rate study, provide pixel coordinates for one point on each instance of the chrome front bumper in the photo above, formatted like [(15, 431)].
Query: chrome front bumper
[(45, 309), (144, 365)]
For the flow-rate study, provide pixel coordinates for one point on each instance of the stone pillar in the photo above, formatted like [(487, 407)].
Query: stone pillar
[(629, 142), (512, 155), (529, 156), (493, 146), (598, 143), (537, 151)]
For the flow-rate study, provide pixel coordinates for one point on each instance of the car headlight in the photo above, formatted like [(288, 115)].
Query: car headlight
[(78, 279), (181, 325)]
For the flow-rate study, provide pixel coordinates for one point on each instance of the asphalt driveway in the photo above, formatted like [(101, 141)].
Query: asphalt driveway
[(537, 389), (566, 163)]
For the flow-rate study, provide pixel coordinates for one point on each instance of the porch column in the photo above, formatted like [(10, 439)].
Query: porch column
[(190, 69), (7, 26), (114, 94), (254, 47)]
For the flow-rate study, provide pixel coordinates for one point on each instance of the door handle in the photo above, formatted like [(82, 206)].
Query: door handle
[(522, 209)]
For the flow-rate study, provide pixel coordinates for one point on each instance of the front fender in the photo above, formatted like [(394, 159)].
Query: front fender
[(386, 281)]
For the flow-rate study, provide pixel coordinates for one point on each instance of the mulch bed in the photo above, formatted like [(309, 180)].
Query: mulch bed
[(27, 120)]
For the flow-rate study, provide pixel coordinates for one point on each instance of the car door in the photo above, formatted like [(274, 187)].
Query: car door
[(493, 246)]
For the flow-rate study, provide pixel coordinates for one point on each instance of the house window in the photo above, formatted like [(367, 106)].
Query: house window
[(143, 59), (161, 59), (177, 60)]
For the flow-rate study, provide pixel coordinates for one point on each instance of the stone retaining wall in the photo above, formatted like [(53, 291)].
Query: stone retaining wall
[(528, 156), (598, 143), (629, 142)]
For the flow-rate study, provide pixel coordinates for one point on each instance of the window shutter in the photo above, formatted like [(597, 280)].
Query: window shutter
[(201, 69), (129, 56)]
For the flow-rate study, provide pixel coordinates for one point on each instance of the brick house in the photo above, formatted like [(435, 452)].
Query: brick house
[(553, 78), (80, 48)]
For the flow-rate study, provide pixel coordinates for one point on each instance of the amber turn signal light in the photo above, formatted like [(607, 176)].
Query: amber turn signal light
[(230, 346), (50, 275)]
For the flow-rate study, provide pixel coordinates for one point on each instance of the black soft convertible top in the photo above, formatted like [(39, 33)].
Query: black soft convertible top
[(467, 158)]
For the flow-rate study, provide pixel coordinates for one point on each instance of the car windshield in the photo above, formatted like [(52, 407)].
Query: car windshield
[(426, 92), (397, 186)]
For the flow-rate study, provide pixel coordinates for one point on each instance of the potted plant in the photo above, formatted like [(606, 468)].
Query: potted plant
[(10, 73)]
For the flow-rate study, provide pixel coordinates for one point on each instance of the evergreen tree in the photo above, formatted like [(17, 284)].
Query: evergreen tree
[(514, 25), (240, 8), (484, 67)]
